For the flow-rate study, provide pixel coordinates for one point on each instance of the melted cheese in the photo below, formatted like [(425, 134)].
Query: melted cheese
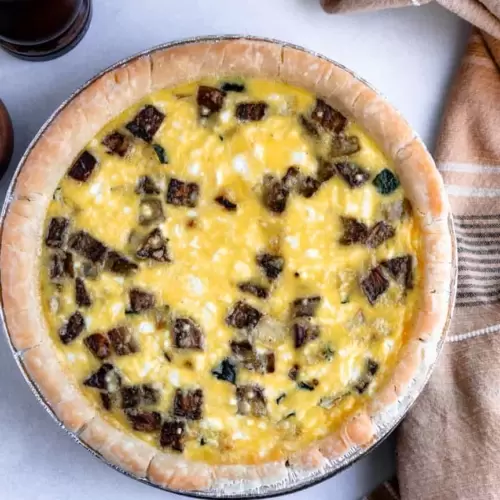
[(210, 258)]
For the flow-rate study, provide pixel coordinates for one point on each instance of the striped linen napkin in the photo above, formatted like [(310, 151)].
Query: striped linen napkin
[(448, 447)]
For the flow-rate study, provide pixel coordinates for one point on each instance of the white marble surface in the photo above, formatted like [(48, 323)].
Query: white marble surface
[(409, 55)]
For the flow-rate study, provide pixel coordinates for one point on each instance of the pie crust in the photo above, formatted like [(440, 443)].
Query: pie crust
[(77, 122)]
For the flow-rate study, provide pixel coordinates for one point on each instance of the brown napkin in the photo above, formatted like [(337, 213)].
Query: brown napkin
[(485, 14), (449, 444)]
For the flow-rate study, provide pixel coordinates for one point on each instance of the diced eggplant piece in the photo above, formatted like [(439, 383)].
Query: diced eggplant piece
[(82, 296), (119, 264), (226, 203), (187, 334), (189, 404), (182, 194), (353, 174), (140, 300), (61, 266), (116, 143), (210, 100), (251, 400), (255, 289), (106, 400), (272, 265), (243, 315), (109, 400), (149, 395), (69, 269), (292, 179), (379, 233), (139, 395), (144, 421), (328, 118), (90, 270), (305, 306), (146, 123), (303, 332), (98, 344), (244, 352), (308, 186), (354, 231), (326, 170), (401, 269), (251, 111), (122, 341), (83, 167), (274, 194), (343, 145), (57, 232), (150, 212), (172, 435), (131, 396), (293, 373), (241, 349), (146, 185), (374, 285), (267, 363), (87, 246), (366, 378), (106, 378), (309, 126), (154, 246), (72, 328)]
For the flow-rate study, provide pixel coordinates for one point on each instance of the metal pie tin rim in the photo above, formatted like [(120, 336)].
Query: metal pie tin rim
[(297, 484)]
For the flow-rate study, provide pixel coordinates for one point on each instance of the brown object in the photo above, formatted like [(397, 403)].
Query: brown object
[(6, 138), (448, 444), (38, 30), (463, 446), (485, 14)]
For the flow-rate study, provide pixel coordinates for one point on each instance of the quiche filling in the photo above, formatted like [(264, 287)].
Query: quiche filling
[(230, 269)]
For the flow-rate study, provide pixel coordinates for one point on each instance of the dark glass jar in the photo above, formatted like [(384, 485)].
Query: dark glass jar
[(6, 139), (42, 29)]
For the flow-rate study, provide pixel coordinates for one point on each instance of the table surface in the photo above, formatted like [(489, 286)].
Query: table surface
[(408, 54)]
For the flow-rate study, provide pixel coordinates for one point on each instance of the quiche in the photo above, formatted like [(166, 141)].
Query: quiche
[(222, 261)]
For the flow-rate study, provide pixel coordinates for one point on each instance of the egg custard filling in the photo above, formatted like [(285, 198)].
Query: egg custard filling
[(230, 270)]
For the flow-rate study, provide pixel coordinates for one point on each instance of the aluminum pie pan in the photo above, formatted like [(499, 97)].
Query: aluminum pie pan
[(385, 422)]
